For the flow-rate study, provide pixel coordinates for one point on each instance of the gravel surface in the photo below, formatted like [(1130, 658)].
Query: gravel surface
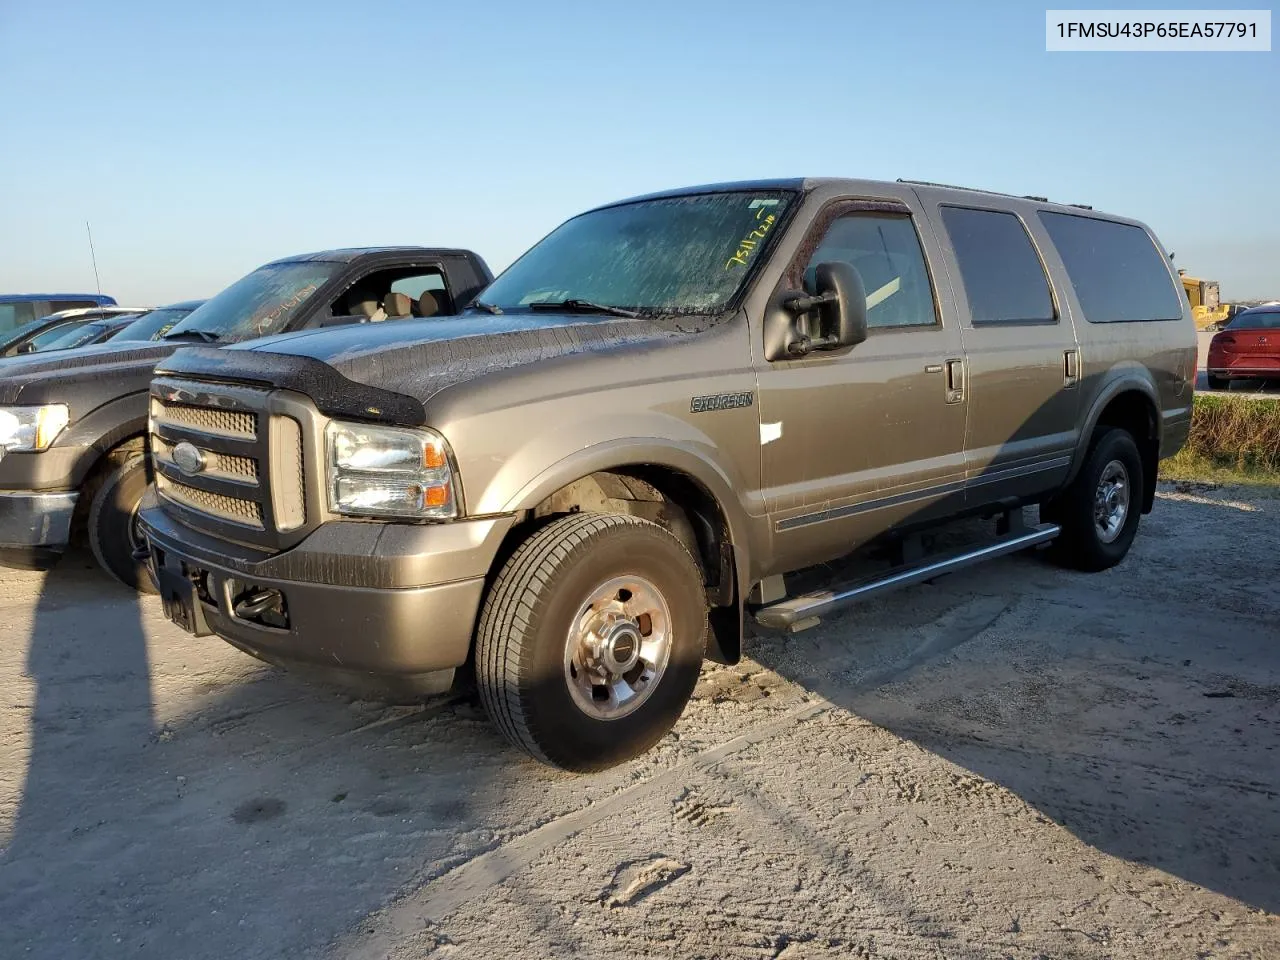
[(1013, 761)]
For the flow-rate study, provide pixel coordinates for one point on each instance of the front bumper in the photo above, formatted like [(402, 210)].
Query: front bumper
[(35, 526), (345, 622)]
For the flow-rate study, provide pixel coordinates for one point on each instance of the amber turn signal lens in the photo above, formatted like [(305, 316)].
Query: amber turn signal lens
[(433, 457), (435, 496)]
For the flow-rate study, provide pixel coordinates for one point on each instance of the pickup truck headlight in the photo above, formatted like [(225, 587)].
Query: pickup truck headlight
[(389, 472), (28, 429)]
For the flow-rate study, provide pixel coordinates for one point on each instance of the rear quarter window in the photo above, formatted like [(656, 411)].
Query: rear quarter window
[(1118, 273)]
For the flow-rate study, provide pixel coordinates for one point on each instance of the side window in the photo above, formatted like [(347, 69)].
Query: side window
[(885, 251), (15, 314), (414, 286), (59, 305), (398, 292), (1118, 273), (1003, 277)]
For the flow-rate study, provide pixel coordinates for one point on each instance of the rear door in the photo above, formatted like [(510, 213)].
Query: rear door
[(1022, 351)]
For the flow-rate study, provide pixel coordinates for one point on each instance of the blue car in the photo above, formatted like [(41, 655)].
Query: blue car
[(17, 309)]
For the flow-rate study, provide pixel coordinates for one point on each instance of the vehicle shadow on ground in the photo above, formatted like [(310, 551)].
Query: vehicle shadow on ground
[(171, 807), (1143, 719)]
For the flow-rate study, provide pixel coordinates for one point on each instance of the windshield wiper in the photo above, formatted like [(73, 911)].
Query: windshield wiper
[(486, 307), (583, 306), (203, 335)]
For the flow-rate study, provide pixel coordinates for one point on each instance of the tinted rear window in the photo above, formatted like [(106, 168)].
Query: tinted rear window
[(1118, 274), (1262, 320), (1001, 271)]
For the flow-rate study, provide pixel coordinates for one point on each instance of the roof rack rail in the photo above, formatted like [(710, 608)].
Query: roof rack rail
[(1082, 206), (952, 186)]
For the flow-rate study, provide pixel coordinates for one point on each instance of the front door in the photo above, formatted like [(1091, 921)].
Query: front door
[(854, 442)]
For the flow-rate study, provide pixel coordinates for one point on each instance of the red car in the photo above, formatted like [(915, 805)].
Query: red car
[(1248, 347)]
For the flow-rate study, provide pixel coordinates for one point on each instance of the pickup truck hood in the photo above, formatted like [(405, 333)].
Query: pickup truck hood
[(77, 376), (419, 358)]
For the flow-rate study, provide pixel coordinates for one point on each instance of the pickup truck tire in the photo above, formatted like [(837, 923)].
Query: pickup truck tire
[(591, 639), (111, 521), (1100, 510)]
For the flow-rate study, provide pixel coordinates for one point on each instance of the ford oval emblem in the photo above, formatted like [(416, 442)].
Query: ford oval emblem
[(188, 458)]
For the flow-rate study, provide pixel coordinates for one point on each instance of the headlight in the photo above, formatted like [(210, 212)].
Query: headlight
[(31, 428), (389, 472)]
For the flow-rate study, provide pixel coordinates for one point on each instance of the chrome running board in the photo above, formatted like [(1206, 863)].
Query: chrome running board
[(797, 613)]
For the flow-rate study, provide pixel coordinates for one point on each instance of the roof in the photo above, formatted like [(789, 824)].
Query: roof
[(26, 297), (180, 305), (811, 183), (350, 254)]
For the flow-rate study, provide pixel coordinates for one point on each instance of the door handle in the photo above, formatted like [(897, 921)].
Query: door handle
[(1070, 367), (955, 381)]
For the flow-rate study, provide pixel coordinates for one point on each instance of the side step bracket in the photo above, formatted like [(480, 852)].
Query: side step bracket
[(797, 613)]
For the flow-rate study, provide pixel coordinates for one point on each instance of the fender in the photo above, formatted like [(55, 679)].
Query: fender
[(104, 428), (654, 451), (1127, 379)]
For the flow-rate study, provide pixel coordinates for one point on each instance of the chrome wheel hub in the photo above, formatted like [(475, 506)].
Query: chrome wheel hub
[(618, 646), (1111, 501)]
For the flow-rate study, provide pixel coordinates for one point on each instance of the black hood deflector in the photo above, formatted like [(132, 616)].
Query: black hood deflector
[(330, 391)]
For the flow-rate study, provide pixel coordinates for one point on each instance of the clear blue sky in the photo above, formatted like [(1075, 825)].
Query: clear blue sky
[(202, 139)]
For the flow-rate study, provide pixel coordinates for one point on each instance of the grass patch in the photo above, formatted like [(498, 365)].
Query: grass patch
[(1233, 440)]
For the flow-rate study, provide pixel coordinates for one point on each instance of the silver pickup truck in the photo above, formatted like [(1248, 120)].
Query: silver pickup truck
[(578, 489)]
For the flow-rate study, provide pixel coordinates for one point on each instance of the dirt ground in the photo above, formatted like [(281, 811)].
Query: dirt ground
[(1012, 762)]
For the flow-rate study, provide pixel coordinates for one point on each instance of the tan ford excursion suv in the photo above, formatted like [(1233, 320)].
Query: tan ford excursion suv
[(579, 488)]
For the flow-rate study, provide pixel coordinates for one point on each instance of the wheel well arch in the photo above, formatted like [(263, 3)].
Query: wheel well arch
[(103, 457), (1134, 411), (673, 499)]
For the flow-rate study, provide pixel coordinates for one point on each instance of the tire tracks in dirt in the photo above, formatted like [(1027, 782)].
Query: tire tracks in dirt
[(431, 902)]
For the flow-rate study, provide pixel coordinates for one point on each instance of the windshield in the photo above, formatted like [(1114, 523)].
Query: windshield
[(43, 340), (671, 256), (259, 304), (153, 325), (1262, 320), (64, 339)]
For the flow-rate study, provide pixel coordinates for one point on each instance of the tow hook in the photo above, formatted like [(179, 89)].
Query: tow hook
[(257, 603)]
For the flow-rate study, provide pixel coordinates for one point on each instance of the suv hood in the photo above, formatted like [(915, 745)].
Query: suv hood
[(390, 370), (38, 377), (419, 358)]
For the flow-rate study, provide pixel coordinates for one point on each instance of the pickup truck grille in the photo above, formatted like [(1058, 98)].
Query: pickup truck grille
[(249, 479)]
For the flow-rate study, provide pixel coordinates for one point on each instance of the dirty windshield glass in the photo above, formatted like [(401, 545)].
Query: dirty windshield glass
[(259, 304), (670, 256), (153, 325)]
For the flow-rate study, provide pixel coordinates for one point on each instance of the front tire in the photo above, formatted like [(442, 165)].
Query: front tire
[(113, 528), (591, 640), (1099, 511)]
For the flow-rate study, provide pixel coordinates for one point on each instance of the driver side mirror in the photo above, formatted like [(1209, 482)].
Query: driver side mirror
[(27, 347), (834, 317)]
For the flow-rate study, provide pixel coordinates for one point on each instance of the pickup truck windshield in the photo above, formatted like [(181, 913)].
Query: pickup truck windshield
[(153, 325), (676, 255), (256, 305)]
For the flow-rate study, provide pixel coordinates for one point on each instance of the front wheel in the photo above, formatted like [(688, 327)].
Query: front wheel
[(591, 639), (113, 522), (1099, 511)]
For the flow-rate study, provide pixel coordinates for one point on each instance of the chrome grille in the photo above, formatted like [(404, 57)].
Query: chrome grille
[(251, 476), (224, 464), (228, 508), (228, 423)]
